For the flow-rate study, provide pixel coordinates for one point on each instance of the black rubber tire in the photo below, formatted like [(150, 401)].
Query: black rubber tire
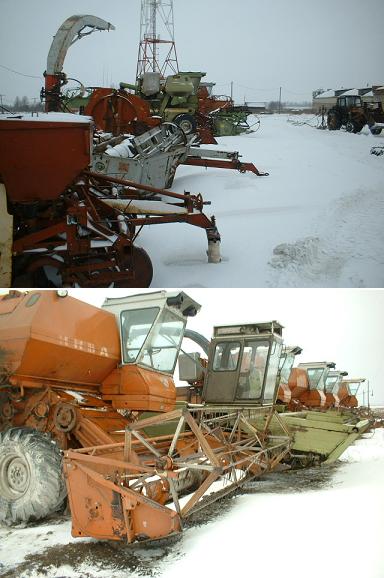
[(353, 126), (31, 481), (186, 122)]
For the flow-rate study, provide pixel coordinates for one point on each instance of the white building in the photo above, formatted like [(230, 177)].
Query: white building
[(328, 98)]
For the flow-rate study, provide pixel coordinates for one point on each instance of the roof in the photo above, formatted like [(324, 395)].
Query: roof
[(326, 94), (352, 92)]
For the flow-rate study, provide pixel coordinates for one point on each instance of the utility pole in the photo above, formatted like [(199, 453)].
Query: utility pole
[(280, 101), (1, 101), (231, 89), (368, 393)]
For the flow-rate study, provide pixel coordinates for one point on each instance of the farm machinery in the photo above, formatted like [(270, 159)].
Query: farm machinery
[(178, 99), (318, 436), (72, 226), (349, 112), (287, 359), (92, 382), (347, 392), (302, 386), (332, 388)]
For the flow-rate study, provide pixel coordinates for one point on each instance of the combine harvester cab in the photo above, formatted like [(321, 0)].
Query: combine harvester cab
[(348, 389), (147, 485), (332, 386), (287, 359), (307, 383)]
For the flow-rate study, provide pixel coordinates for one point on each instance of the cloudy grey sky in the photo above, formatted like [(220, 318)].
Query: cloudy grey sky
[(340, 325), (261, 45)]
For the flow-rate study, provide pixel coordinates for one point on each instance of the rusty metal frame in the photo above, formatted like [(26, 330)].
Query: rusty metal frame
[(233, 164), (65, 235), (215, 445)]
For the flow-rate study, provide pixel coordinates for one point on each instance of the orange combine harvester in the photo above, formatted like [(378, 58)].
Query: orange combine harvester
[(77, 379)]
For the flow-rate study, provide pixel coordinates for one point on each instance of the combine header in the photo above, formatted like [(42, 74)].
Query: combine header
[(145, 488)]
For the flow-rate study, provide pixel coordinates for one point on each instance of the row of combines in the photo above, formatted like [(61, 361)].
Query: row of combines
[(140, 456), (77, 190)]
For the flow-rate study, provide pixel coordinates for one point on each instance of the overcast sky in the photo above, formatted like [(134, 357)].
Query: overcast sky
[(340, 325), (300, 45)]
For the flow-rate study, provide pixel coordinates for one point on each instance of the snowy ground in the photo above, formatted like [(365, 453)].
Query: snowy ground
[(316, 221), (318, 522)]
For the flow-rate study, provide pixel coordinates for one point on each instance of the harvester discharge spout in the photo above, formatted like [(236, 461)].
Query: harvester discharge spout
[(72, 30)]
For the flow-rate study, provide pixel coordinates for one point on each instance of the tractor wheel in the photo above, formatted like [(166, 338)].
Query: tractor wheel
[(333, 121), (31, 481), (353, 126), (186, 122)]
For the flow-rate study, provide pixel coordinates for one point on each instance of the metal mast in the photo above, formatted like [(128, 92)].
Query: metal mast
[(157, 49)]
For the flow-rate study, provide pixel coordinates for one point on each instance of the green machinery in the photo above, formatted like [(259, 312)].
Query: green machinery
[(174, 99), (316, 436)]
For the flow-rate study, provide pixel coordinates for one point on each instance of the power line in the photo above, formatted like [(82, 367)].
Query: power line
[(19, 73)]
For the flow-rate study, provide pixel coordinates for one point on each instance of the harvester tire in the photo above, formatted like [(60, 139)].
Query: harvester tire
[(186, 122), (31, 481), (333, 121)]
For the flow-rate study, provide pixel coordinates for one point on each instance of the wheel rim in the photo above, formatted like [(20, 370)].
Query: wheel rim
[(14, 476), (186, 126)]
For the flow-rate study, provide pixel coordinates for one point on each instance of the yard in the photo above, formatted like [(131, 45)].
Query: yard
[(316, 221)]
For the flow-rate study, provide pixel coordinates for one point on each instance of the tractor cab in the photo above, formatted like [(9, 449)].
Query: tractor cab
[(350, 101), (243, 363)]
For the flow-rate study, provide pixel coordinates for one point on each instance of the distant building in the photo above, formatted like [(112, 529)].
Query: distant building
[(256, 107), (327, 99)]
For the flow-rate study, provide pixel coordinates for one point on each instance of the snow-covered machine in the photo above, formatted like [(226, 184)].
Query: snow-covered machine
[(72, 226)]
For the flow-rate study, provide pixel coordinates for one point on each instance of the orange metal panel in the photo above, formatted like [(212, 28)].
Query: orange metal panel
[(134, 387), (39, 159), (61, 339)]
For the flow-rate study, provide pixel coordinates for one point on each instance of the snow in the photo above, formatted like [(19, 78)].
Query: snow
[(326, 94), (323, 521), (316, 221), (121, 150), (47, 117), (351, 92)]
